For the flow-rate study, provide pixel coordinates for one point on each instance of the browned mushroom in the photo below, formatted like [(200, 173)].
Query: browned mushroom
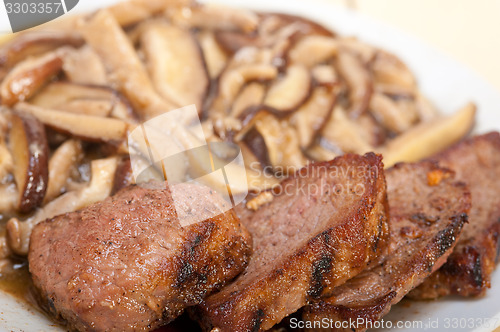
[(389, 114), (9, 198), (389, 69), (359, 81), (282, 144), (84, 99), (313, 114), (84, 66), (215, 57), (28, 76), (175, 64), (325, 75), (30, 153), (61, 163), (132, 11), (103, 33), (291, 91), (86, 127), (251, 95), (342, 133), (313, 50), (210, 16), (35, 43), (99, 187)]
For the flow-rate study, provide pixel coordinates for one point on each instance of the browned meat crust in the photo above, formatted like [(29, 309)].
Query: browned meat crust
[(324, 225), (468, 270), (427, 211), (126, 264)]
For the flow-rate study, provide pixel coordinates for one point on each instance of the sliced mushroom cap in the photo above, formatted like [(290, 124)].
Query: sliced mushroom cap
[(132, 11), (125, 69), (28, 76), (84, 66), (282, 144), (389, 114), (99, 187), (30, 153), (232, 41), (363, 51), (388, 69), (251, 95), (359, 81), (325, 75), (87, 127), (291, 91), (313, 114), (215, 17), (35, 43), (232, 81), (175, 64), (10, 198), (84, 99), (342, 133), (312, 50), (62, 162), (215, 57)]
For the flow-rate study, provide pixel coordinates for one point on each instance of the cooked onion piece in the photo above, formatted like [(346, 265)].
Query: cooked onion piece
[(30, 153), (28, 76), (215, 57), (61, 164), (86, 127), (428, 138), (103, 33), (358, 80), (175, 64), (313, 114), (313, 50), (84, 66), (99, 187), (343, 133), (211, 16), (291, 91)]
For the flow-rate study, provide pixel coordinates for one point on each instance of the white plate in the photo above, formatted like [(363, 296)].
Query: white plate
[(444, 81)]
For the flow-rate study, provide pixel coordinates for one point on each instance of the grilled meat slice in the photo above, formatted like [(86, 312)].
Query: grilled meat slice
[(427, 209), (468, 270), (323, 226), (126, 264)]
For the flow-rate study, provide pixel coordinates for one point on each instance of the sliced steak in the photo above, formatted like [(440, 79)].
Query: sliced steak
[(126, 264), (468, 270), (427, 211), (324, 225)]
